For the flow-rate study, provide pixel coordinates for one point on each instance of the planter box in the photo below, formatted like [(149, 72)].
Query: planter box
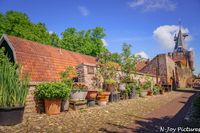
[(78, 95), (11, 116), (52, 106)]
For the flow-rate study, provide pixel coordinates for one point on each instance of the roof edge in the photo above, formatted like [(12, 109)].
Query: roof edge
[(4, 37)]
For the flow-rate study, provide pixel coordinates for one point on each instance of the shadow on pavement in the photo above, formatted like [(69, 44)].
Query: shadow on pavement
[(154, 125)]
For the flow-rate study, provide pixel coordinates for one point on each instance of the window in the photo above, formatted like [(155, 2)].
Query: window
[(90, 69)]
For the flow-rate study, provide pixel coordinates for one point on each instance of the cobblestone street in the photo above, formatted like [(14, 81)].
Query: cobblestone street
[(111, 118)]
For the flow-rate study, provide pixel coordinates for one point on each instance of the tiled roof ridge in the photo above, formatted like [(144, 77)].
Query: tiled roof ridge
[(46, 45)]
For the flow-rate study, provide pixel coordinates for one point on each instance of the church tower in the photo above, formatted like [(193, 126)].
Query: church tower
[(181, 55)]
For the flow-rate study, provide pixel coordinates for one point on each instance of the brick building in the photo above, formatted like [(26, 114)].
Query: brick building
[(174, 68)]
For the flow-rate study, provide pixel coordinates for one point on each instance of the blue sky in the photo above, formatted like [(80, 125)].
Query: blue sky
[(148, 25)]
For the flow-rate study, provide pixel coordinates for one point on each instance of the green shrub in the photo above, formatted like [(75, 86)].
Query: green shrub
[(156, 89), (196, 102), (54, 90), (13, 90), (110, 81), (147, 85), (138, 88), (129, 87)]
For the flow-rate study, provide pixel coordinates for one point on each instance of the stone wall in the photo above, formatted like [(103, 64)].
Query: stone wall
[(171, 72), (183, 74)]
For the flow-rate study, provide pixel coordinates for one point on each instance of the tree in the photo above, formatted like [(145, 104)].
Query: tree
[(85, 41), (18, 24), (129, 61), (116, 57)]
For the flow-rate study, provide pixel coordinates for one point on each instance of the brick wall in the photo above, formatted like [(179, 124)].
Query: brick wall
[(32, 104), (157, 66), (86, 73)]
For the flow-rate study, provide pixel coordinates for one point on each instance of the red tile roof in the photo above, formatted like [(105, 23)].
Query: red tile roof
[(43, 62), (141, 64)]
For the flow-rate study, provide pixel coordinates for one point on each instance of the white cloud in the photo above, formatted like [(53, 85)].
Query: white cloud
[(84, 11), (142, 54), (51, 32), (104, 42), (164, 35), (152, 5)]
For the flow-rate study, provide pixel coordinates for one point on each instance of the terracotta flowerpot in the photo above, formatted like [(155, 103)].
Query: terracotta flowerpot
[(150, 93), (102, 98), (104, 93), (52, 106), (91, 95)]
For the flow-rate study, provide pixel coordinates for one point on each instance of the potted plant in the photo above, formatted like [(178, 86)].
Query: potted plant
[(67, 76), (13, 92), (52, 94), (103, 97), (79, 91), (161, 91), (146, 88), (156, 90), (91, 95), (110, 85)]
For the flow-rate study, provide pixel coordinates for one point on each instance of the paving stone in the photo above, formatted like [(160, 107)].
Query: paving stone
[(112, 117)]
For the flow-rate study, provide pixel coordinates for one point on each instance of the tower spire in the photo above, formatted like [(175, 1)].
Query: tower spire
[(179, 23), (179, 40)]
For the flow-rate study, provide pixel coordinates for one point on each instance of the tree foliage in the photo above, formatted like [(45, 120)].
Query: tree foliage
[(85, 41)]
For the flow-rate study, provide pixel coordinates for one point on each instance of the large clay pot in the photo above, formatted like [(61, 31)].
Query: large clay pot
[(150, 93), (102, 98), (91, 95), (11, 115), (78, 95), (105, 93), (52, 106)]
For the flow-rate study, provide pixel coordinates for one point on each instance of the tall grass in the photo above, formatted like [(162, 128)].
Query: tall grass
[(13, 90)]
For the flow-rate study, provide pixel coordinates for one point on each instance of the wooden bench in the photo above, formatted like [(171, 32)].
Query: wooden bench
[(78, 104)]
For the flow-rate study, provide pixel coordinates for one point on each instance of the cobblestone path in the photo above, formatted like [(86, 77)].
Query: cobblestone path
[(111, 118)]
